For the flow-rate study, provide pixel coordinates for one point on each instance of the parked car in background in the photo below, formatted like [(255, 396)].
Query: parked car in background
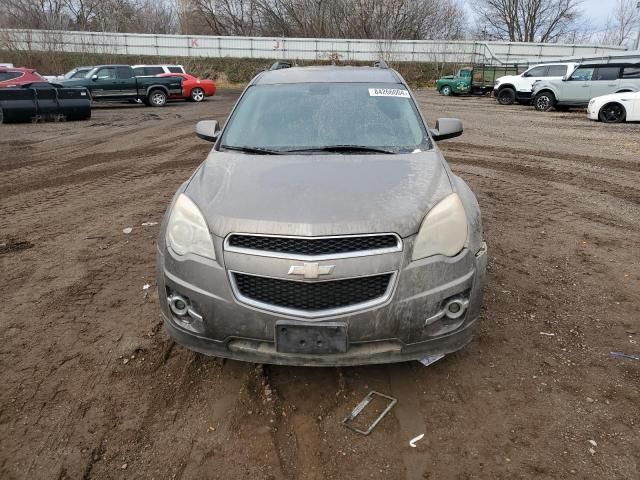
[(193, 88), (615, 108), (517, 88), (12, 76), (324, 228), (476, 80), (78, 72), (6, 65), (151, 70), (586, 82), (118, 83)]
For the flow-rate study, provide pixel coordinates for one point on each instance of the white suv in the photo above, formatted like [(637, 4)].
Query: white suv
[(152, 70), (512, 88)]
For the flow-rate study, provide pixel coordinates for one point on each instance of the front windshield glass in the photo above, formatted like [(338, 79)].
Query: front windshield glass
[(308, 116)]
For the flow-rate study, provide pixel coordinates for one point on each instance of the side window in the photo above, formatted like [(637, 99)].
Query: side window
[(582, 74), (138, 71), (175, 69), (631, 72), (4, 76), (124, 72), (80, 74), (607, 73), (106, 74), (557, 71), (153, 70), (536, 71)]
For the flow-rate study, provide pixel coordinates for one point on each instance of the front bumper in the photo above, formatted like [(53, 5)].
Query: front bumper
[(592, 112), (394, 331)]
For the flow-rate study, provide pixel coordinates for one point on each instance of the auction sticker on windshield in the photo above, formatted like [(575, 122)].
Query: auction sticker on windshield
[(388, 92)]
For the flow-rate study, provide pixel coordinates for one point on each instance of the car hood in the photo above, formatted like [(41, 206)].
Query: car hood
[(617, 96), (314, 195), (508, 78)]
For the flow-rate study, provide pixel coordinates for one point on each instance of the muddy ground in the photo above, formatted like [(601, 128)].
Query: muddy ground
[(92, 387)]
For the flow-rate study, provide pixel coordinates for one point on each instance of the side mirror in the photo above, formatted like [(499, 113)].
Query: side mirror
[(94, 77), (208, 130), (565, 78), (446, 128)]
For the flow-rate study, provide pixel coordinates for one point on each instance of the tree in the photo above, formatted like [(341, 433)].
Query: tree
[(528, 20), (622, 23)]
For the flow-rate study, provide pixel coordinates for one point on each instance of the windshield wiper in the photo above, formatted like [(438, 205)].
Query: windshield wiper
[(256, 150), (340, 148)]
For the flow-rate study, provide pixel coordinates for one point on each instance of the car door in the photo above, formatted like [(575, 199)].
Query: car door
[(605, 81), (530, 76), (103, 83), (126, 81), (576, 89)]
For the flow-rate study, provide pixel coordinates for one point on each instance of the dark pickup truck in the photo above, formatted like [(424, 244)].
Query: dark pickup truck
[(118, 83)]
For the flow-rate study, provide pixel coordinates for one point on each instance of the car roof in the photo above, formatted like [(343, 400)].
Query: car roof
[(17, 69), (328, 74)]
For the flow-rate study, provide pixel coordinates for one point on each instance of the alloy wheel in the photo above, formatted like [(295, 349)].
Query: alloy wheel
[(612, 113), (197, 95)]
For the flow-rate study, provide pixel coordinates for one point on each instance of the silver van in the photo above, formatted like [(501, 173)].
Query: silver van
[(586, 82)]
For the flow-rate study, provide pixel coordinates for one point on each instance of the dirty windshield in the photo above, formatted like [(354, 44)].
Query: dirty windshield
[(321, 117)]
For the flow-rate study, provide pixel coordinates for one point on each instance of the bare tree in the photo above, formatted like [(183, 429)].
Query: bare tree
[(528, 20), (622, 23), (384, 19)]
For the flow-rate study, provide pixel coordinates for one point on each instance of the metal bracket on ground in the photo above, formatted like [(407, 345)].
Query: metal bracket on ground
[(348, 421)]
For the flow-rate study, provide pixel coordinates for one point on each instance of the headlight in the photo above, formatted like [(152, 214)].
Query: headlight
[(187, 230), (591, 102), (443, 230)]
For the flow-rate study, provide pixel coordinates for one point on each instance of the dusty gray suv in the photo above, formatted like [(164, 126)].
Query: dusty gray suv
[(324, 228)]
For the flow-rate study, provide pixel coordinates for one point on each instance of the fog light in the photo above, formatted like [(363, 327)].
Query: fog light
[(178, 305), (455, 307)]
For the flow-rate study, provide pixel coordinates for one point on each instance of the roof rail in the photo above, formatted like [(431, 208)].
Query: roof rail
[(381, 64), (280, 65)]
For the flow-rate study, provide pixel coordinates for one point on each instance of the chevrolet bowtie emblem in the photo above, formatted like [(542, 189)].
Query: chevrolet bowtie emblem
[(311, 270)]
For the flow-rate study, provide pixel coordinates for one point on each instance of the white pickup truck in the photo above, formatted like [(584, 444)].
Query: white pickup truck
[(517, 88)]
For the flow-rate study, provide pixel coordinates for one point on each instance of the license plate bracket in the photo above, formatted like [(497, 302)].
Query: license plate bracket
[(311, 338)]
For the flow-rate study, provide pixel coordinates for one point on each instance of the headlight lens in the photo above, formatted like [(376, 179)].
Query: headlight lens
[(591, 102), (443, 230), (187, 230)]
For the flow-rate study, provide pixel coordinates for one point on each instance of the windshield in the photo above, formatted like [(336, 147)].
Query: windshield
[(314, 116)]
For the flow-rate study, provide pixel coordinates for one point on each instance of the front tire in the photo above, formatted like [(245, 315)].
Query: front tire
[(612, 113), (446, 91), (197, 95), (157, 98), (506, 96), (544, 101)]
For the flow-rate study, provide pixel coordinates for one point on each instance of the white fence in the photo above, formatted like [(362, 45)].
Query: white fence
[(294, 48)]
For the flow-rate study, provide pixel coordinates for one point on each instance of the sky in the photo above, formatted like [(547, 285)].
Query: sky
[(598, 10)]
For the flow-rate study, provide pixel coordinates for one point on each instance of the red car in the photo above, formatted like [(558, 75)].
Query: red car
[(12, 77), (193, 88)]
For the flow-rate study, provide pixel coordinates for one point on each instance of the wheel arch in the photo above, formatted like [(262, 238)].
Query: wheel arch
[(156, 87)]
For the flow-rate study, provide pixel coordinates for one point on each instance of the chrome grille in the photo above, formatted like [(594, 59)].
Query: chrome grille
[(313, 247)]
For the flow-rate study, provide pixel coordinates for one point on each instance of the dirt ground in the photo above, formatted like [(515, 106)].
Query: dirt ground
[(92, 386)]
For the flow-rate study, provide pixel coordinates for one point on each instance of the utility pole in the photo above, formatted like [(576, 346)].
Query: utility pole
[(638, 37)]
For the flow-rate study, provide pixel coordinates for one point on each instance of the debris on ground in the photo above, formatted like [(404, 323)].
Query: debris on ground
[(149, 224), (625, 355), (348, 421), (413, 441), (127, 230)]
